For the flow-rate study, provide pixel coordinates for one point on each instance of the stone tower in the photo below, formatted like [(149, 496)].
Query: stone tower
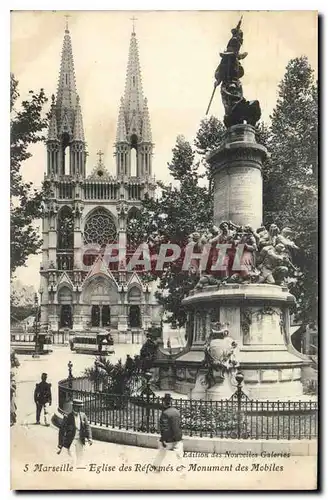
[(81, 292)]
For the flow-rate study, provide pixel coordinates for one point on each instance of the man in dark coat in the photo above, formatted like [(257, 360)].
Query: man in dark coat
[(42, 398), (75, 432), (171, 434)]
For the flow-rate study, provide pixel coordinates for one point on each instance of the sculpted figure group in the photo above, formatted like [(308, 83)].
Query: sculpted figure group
[(265, 255)]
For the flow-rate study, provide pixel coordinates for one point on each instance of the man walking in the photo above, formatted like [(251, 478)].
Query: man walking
[(171, 434), (74, 432), (42, 398)]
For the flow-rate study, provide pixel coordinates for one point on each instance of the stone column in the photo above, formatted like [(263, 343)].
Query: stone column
[(122, 321), (236, 169)]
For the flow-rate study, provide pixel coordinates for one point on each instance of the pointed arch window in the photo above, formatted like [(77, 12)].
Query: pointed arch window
[(65, 239), (66, 78), (134, 231), (134, 81), (133, 156)]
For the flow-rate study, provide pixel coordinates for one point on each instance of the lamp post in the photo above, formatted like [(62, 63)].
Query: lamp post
[(148, 376), (97, 376), (70, 374), (239, 378), (36, 327)]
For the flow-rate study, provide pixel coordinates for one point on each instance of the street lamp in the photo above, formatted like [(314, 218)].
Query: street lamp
[(96, 376)]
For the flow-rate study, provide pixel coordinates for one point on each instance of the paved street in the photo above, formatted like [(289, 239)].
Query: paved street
[(36, 444)]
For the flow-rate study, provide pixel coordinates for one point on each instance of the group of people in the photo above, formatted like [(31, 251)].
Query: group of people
[(75, 431)]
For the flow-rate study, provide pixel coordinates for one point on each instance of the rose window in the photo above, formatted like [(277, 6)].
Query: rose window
[(100, 228)]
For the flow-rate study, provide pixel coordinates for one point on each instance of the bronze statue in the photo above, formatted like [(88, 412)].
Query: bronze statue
[(285, 239), (228, 74), (248, 260), (263, 237), (274, 265), (266, 255)]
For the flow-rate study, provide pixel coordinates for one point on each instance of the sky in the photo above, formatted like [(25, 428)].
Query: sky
[(178, 52)]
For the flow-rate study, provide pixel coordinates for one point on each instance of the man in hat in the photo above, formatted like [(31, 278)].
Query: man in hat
[(42, 398), (75, 432), (171, 434)]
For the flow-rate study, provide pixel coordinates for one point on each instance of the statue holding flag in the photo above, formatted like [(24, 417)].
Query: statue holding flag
[(228, 74)]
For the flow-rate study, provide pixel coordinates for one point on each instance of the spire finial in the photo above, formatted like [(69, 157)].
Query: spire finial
[(66, 25), (133, 19), (100, 154)]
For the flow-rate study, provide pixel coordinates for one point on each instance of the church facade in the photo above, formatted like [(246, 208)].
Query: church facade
[(80, 290)]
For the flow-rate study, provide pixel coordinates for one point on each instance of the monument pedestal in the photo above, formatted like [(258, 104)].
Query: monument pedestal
[(258, 317), (223, 390), (237, 174)]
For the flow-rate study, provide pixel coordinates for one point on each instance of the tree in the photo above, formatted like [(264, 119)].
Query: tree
[(118, 378), (290, 191), (290, 177), (209, 137), (181, 210), (26, 126)]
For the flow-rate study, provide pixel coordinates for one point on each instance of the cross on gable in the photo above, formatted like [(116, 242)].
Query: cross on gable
[(100, 154)]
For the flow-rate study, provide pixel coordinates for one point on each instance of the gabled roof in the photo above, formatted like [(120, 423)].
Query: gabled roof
[(100, 173), (65, 280), (100, 268), (134, 280)]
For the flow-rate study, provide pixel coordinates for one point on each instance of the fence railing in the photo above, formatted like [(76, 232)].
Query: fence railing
[(237, 417)]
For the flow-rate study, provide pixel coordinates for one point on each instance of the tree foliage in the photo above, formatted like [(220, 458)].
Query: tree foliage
[(290, 179), (289, 189), (180, 210), (118, 378), (26, 126)]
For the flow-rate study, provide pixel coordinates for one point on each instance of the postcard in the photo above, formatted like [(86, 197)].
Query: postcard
[(164, 288)]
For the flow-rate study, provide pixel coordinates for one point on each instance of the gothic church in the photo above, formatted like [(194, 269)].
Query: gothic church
[(79, 291)]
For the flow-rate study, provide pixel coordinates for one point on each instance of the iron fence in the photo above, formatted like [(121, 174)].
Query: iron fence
[(236, 418)]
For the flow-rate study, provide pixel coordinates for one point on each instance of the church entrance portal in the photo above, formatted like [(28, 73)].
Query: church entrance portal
[(105, 315), (134, 317), (100, 315), (66, 316)]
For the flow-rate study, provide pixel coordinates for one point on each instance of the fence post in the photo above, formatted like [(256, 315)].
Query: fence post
[(148, 376), (239, 378), (70, 374)]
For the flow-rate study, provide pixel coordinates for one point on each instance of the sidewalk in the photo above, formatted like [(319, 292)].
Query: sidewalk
[(112, 466)]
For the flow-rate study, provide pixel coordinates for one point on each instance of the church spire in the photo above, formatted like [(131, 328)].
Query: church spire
[(52, 129), (133, 137), (121, 128), (133, 96), (146, 128), (78, 134), (65, 132), (66, 90)]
